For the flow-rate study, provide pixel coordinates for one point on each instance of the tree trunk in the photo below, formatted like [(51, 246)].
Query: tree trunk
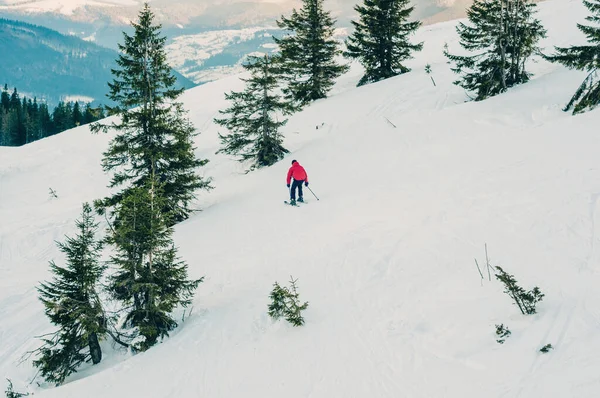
[(95, 351), (265, 114), (503, 43)]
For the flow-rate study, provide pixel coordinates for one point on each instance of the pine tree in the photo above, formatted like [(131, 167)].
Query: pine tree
[(5, 136), (252, 116), (278, 296), (285, 302), (154, 135), (18, 130), (525, 300), (381, 38), (503, 35), (45, 120), (60, 118), (77, 115), (88, 115), (584, 58), (5, 98), (71, 302), (11, 393), (308, 53), (293, 313), (150, 279)]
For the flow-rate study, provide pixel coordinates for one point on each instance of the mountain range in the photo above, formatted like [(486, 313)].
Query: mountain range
[(43, 63), (208, 39)]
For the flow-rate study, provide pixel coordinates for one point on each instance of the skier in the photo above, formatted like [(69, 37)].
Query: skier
[(300, 177)]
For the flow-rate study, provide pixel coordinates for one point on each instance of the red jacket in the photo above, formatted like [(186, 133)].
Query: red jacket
[(297, 172)]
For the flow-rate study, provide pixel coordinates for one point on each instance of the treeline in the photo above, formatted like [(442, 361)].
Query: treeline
[(25, 120)]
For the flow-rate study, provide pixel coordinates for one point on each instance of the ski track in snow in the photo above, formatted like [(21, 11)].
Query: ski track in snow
[(385, 258)]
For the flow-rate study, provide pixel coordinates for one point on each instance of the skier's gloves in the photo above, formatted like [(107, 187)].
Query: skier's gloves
[(288, 185), (306, 184)]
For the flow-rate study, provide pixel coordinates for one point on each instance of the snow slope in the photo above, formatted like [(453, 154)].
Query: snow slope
[(385, 258)]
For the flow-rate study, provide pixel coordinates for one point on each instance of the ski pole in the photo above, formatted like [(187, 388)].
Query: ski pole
[(312, 192)]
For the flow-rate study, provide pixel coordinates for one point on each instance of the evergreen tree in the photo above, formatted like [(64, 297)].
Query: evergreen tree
[(252, 116), (5, 98), (308, 53), (285, 302), (154, 136), (45, 120), (88, 115), (381, 38), (17, 129), (525, 300), (585, 58), (15, 101), (71, 302), (27, 122), (33, 132), (10, 123), (60, 119), (150, 279), (11, 393), (77, 115), (503, 35)]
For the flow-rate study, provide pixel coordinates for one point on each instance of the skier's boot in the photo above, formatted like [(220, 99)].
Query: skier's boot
[(293, 202), (301, 199)]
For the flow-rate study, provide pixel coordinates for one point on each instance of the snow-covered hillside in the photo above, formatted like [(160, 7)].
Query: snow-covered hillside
[(212, 55), (385, 258)]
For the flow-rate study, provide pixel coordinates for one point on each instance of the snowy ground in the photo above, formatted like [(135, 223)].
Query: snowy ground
[(385, 258)]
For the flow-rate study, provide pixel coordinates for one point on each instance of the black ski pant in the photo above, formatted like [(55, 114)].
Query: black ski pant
[(296, 184)]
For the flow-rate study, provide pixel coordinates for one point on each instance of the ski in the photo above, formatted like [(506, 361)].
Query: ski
[(288, 203)]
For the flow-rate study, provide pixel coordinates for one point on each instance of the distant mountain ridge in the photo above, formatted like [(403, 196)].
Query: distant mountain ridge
[(51, 66)]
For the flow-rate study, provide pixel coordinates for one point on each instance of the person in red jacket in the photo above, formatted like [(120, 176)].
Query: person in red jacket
[(300, 177)]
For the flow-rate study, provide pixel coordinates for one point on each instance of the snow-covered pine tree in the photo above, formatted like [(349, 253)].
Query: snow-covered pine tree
[(501, 36), (252, 116), (71, 302), (585, 58), (150, 279), (154, 134), (381, 38), (308, 53)]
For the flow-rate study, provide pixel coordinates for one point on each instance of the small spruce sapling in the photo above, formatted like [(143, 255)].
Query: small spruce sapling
[(503, 333), (11, 393), (278, 297), (285, 302), (525, 300), (428, 71), (446, 51), (545, 349), (293, 313)]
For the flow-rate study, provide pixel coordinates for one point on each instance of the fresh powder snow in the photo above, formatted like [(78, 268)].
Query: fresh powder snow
[(385, 258)]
